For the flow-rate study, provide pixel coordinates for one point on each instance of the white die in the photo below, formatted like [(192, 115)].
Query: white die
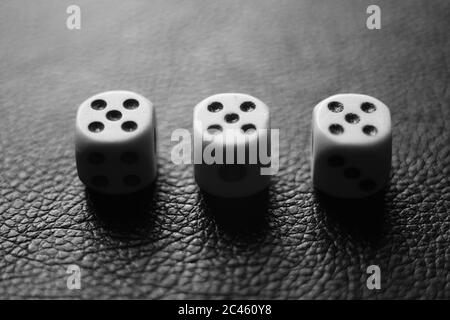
[(351, 145), (234, 124), (115, 142)]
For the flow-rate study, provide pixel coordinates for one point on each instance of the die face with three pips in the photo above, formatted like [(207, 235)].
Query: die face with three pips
[(351, 145), (115, 142), (233, 124)]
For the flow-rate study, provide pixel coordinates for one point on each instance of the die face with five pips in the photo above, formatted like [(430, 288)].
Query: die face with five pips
[(115, 142), (351, 145), (350, 151), (235, 125)]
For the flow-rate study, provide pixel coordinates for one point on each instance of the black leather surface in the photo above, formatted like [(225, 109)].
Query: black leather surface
[(172, 241)]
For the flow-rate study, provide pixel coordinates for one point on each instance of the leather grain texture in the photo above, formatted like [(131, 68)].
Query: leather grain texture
[(173, 241)]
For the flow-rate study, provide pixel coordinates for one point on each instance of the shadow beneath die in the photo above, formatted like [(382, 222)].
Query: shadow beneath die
[(131, 214), (245, 218), (360, 219)]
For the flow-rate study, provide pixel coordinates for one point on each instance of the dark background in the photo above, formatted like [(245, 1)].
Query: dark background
[(172, 241)]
